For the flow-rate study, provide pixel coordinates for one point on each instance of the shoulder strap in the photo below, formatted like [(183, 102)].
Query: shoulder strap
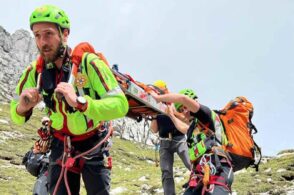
[(190, 132), (257, 156), (85, 63), (252, 127), (193, 125)]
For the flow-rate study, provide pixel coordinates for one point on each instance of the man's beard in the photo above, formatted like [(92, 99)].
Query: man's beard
[(52, 57)]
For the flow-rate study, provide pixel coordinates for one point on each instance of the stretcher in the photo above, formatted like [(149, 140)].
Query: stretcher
[(141, 103)]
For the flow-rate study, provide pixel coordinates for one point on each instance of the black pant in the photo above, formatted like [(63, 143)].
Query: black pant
[(167, 150), (95, 176)]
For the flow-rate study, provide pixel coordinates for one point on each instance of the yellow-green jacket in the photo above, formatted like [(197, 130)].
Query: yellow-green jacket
[(98, 80)]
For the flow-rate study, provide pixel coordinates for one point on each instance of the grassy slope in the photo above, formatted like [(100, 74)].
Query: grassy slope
[(269, 178), (130, 161), (130, 164)]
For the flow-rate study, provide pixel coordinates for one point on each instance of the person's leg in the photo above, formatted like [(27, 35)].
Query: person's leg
[(166, 165), (40, 187), (96, 177), (182, 151), (55, 169), (72, 178)]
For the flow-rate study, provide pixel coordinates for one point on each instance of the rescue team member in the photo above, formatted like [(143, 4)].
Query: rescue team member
[(171, 141), (77, 111), (212, 171)]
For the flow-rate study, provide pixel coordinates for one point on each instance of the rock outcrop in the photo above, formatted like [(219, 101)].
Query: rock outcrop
[(16, 52)]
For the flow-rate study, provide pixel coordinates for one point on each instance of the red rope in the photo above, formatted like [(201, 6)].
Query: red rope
[(69, 162), (62, 167)]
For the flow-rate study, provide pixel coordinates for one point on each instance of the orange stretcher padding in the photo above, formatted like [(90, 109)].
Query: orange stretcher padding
[(139, 107)]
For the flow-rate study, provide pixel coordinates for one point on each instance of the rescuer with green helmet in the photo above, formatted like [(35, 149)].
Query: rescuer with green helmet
[(77, 111)]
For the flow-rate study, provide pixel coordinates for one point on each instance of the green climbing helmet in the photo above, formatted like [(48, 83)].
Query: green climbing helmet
[(188, 92), (50, 13)]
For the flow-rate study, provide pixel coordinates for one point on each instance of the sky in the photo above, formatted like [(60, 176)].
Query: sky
[(221, 49)]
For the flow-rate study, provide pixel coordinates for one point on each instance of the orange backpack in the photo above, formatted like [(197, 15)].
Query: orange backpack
[(83, 47), (236, 119), (76, 55)]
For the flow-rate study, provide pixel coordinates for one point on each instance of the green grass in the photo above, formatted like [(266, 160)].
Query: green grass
[(131, 161), (257, 182)]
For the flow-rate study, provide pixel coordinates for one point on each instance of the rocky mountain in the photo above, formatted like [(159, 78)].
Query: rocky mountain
[(17, 50)]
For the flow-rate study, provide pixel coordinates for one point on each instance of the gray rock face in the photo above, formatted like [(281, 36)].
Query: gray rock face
[(129, 129), (16, 52)]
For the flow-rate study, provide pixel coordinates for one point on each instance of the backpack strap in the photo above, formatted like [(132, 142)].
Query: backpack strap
[(190, 132), (257, 156), (85, 62), (252, 127), (207, 131)]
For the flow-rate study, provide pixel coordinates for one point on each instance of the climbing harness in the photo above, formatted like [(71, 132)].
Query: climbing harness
[(68, 161)]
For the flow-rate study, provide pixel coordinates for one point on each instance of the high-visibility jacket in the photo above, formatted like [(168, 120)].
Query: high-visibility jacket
[(98, 80)]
